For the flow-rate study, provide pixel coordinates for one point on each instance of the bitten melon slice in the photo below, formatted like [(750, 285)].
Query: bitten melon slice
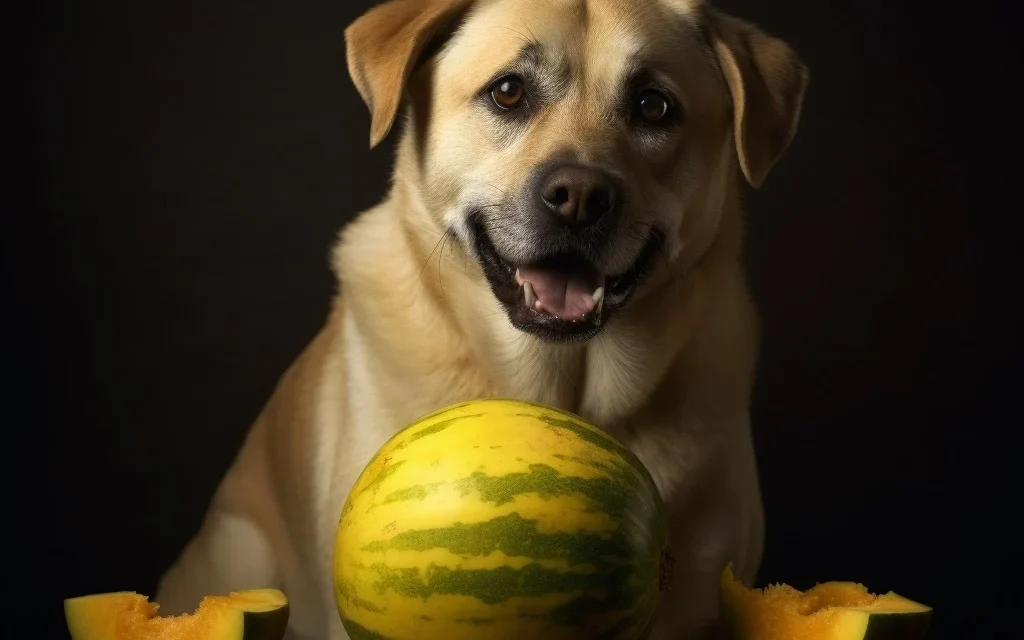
[(829, 611), (260, 614)]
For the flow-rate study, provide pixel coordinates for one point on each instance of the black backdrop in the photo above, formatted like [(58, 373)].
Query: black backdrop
[(196, 159)]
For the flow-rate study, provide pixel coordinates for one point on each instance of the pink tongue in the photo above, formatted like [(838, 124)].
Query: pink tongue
[(563, 295)]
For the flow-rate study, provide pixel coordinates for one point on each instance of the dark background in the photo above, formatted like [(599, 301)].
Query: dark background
[(192, 162)]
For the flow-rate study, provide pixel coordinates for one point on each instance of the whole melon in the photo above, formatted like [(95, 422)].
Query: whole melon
[(501, 519)]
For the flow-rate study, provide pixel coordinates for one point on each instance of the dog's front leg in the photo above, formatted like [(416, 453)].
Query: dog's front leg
[(233, 549), (710, 541), (720, 521), (229, 553)]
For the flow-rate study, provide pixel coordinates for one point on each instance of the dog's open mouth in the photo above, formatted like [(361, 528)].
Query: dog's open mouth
[(561, 289), (561, 297)]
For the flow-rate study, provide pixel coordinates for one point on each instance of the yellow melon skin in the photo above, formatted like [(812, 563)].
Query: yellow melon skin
[(501, 520), (829, 611), (259, 614)]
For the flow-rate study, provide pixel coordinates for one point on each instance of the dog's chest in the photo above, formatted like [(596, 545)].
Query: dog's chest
[(611, 384), (606, 381)]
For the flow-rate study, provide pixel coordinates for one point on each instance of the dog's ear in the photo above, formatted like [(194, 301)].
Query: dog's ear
[(767, 80), (383, 47)]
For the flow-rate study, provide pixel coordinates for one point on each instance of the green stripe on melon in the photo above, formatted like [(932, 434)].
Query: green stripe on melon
[(501, 519)]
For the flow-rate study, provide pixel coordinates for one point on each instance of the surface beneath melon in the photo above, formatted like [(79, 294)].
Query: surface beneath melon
[(829, 611), (245, 615)]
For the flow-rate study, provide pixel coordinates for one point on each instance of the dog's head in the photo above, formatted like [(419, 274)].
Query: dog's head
[(575, 146)]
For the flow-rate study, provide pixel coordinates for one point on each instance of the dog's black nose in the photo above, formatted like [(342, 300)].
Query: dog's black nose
[(578, 195)]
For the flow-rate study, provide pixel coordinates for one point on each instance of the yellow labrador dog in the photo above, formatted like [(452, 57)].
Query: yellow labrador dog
[(564, 226)]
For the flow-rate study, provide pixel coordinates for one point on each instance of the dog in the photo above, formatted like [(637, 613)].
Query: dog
[(564, 226)]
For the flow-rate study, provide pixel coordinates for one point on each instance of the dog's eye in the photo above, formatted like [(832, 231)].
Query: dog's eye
[(508, 92), (654, 106)]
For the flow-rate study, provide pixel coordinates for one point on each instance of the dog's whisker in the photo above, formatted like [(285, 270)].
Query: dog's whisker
[(533, 36), (427, 261), (440, 263), (500, 190), (527, 40)]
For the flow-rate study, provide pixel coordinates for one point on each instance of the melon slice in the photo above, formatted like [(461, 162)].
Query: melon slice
[(829, 611), (260, 614)]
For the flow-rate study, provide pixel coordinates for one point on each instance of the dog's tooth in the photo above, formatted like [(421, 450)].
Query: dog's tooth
[(600, 303), (598, 295), (519, 277), (529, 295)]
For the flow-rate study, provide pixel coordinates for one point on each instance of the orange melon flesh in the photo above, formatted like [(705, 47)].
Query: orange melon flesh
[(829, 611), (244, 615)]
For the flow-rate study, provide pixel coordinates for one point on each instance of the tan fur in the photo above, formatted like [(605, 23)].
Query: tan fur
[(416, 327)]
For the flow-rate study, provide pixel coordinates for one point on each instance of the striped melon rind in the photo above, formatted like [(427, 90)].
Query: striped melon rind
[(501, 519)]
